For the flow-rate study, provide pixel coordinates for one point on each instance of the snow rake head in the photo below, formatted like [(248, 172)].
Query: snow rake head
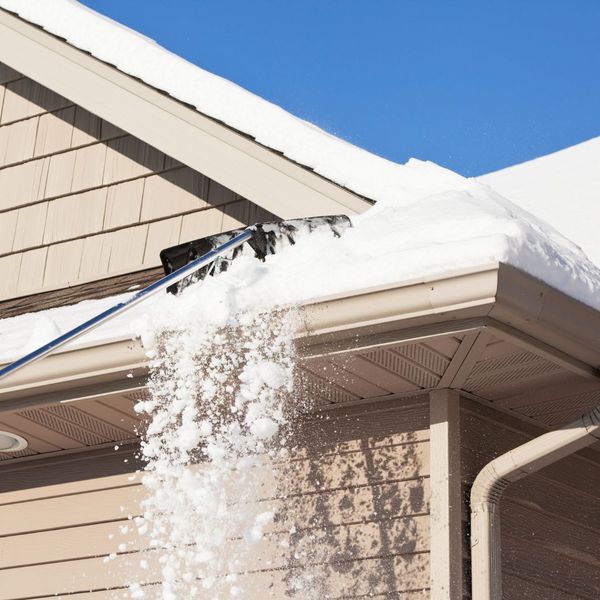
[(189, 262), (266, 238)]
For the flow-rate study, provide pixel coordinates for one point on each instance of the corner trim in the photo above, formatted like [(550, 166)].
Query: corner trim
[(446, 575)]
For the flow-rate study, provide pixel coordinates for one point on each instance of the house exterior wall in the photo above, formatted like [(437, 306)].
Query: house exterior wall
[(81, 200), (356, 490), (550, 521)]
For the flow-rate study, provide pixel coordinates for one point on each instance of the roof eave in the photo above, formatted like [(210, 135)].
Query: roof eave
[(496, 296)]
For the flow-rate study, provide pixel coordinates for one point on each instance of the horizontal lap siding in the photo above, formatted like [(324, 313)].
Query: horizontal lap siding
[(550, 520), (356, 492), (81, 199)]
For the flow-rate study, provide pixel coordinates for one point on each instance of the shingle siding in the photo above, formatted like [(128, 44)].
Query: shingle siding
[(80, 199)]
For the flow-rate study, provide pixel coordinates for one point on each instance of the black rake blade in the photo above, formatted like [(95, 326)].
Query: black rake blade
[(267, 238)]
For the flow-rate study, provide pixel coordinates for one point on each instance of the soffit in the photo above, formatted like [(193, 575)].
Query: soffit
[(494, 371), (52, 429), (512, 378), (396, 372)]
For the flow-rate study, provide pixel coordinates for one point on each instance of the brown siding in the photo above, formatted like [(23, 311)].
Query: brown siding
[(550, 520), (81, 199), (357, 492)]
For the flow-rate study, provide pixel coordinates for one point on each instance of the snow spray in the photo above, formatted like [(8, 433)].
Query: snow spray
[(218, 414)]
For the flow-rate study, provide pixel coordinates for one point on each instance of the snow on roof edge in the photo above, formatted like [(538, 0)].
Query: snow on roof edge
[(562, 188)]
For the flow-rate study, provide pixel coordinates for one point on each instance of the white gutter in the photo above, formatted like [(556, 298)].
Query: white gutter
[(496, 476), (372, 316)]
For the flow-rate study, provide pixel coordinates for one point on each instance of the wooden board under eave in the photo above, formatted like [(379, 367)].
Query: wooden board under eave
[(81, 200)]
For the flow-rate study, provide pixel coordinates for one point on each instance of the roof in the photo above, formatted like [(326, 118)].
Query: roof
[(428, 221), (563, 188), (464, 228), (218, 151), (349, 166)]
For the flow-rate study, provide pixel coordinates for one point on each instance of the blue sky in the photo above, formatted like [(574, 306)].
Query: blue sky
[(474, 85)]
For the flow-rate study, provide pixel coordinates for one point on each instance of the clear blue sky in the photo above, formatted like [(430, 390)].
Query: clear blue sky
[(474, 85)]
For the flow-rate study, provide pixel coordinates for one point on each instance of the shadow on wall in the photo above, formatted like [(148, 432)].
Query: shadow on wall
[(356, 501), (96, 201)]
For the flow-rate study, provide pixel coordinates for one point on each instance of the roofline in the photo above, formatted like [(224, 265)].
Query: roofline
[(495, 297), (229, 157), (514, 304)]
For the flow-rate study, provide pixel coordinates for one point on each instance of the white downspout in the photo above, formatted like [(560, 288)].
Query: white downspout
[(493, 479)]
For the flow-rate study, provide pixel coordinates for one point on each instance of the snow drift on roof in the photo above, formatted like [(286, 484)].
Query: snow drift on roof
[(563, 188), (428, 221)]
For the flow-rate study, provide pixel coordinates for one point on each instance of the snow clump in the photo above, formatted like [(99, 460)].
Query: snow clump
[(219, 405)]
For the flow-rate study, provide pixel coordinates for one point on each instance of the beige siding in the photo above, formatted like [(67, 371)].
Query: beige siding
[(9, 268), (86, 128), (25, 98), (75, 216), (8, 225), (54, 131), (88, 167), (90, 199), (123, 204), (357, 493), (186, 190), (31, 272), (550, 520), (17, 142), (29, 231)]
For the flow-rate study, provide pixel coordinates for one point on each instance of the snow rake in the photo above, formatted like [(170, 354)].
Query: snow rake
[(192, 261)]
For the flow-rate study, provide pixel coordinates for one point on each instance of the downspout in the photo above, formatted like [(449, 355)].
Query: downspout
[(496, 476)]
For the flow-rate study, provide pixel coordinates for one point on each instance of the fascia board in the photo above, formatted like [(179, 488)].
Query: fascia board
[(373, 316), (257, 173), (456, 301), (549, 317)]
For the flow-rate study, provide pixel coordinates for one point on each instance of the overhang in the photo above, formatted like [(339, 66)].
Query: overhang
[(496, 298)]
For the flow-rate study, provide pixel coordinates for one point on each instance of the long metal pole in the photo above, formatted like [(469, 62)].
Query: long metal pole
[(121, 307)]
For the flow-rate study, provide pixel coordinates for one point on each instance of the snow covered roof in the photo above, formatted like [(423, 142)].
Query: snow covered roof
[(132, 53), (465, 227), (427, 221), (563, 188)]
